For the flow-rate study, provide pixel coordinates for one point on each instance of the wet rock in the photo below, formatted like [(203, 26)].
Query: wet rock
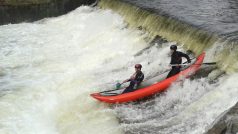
[(227, 123)]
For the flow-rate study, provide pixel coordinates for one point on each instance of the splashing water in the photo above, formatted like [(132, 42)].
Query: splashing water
[(49, 68)]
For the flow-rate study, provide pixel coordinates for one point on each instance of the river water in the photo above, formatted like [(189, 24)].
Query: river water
[(49, 68), (218, 16)]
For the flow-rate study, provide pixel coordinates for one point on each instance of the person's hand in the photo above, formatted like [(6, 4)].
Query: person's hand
[(169, 66)]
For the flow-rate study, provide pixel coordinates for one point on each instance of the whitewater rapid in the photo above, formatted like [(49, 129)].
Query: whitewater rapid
[(48, 69)]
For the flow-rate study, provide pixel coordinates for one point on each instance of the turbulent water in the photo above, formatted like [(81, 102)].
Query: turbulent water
[(49, 68)]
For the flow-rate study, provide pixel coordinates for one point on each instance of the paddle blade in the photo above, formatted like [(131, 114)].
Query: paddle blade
[(210, 63), (118, 86)]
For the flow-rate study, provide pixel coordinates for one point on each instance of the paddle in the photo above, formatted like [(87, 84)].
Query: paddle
[(209, 63), (176, 65), (118, 87)]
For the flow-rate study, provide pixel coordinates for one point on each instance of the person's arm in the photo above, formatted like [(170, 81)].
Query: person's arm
[(125, 81), (131, 78), (186, 56)]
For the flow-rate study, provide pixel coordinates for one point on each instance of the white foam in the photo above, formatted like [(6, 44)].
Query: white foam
[(188, 107), (51, 66)]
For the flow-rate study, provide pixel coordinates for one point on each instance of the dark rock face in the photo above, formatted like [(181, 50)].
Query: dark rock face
[(227, 123), (31, 12), (73, 4)]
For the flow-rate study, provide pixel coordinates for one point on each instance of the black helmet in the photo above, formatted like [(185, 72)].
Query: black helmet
[(138, 66), (173, 47)]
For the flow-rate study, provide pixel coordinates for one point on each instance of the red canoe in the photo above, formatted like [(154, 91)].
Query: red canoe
[(156, 87)]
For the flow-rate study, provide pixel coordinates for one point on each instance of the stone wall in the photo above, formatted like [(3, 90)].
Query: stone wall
[(16, 11)]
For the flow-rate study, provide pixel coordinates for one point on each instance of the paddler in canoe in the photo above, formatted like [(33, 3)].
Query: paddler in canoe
[(134, 80), (176, 60)]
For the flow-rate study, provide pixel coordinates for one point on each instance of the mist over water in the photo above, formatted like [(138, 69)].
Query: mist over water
[(49, 68)]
